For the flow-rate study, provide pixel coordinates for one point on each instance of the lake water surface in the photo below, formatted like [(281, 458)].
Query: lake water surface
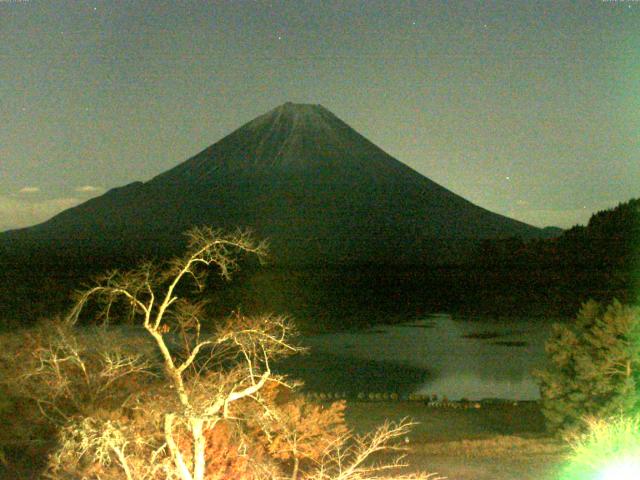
[(436, 355)]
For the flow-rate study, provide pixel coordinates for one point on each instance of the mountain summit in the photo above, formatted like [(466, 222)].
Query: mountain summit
[(290, 138), (297, 175)]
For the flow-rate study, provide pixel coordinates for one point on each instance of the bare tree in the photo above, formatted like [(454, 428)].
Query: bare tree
[(349, 457), (175, 323), (211, 374), (67, 374)]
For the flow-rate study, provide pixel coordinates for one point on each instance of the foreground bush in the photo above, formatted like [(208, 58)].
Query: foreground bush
[(609, 450), (181, 398), (594, 367)]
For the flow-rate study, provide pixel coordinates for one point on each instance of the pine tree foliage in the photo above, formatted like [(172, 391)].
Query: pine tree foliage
[(594, 366)]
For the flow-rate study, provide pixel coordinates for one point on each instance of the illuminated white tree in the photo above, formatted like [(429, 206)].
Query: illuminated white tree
[(208, 375)]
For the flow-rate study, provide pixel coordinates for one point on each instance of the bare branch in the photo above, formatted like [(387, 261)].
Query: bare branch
[(194, 353)]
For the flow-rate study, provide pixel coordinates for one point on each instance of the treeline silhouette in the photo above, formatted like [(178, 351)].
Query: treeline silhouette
[(504, 277), (600, 260)]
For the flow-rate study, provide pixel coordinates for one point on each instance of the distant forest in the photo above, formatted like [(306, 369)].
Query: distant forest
[(609, 241), (600, 260), (505, 277)]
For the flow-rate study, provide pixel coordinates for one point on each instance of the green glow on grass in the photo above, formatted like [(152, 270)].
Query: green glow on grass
[(610, 450)]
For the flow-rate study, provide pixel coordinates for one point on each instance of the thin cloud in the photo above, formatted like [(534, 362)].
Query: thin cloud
[(88, 189), (21, 212), (29, 189)]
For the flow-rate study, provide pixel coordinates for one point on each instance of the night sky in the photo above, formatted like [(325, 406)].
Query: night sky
[(528, 108)]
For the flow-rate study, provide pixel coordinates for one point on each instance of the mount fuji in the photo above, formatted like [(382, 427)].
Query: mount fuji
[(298, 176)]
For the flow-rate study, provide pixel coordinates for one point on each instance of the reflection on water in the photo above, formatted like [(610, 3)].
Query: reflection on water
[(459, 358), (328, 373)]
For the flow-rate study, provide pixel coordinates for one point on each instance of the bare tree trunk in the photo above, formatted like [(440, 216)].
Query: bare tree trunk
[(296, 465), (176, 455), (170, 367), (199, 445)]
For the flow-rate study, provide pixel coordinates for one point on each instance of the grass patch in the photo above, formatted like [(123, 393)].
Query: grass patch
[(498, 446)]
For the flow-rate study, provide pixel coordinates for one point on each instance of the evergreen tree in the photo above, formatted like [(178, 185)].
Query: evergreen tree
[(594, 366)]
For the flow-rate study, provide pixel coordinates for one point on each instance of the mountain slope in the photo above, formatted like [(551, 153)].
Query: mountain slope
[(297, 175)]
